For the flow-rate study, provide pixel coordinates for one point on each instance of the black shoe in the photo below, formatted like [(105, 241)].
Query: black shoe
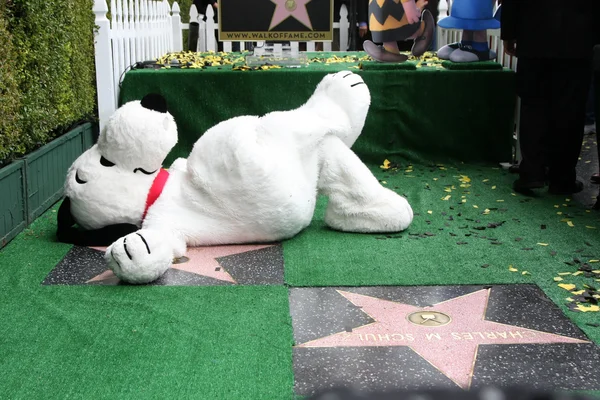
[(526, 187), (422, 43), (562, 189)]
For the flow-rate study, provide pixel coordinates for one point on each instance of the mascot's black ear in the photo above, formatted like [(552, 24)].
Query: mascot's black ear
[(155, 101), (67, 233)]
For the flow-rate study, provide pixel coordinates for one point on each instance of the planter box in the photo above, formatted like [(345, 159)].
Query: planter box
[(13, 197), (47, 168), (33, 184)]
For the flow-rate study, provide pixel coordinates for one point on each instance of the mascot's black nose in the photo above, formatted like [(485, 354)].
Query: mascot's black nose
[(78, 179)]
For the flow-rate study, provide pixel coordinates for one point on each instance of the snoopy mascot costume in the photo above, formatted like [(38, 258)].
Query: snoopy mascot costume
[(248, 179)]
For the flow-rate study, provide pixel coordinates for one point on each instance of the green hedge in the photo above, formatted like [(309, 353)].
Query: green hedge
[(51, 78)]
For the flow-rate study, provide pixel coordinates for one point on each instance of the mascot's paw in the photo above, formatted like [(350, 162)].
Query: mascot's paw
[(389, 212), (140, 257)]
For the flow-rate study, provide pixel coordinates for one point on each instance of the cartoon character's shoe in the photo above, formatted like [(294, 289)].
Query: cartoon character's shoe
[(382, 55), (445, 51), (466, 53), (423, 42)]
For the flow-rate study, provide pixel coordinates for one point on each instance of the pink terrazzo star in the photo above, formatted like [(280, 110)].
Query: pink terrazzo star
[(290, 8), (447, 334), (202, 261)]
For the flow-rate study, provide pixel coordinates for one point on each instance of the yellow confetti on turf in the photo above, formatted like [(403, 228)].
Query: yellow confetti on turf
[(591, 308), (569, 299), (446, 198), (587, 211), (429, 212), (525, 273), (486, 211), (464, 200), (556, 206), (567, 286), (578, 292), (408, 171), (557, 279), (543, 244), (577, 273), (559, 213), (386, 164), (513, 194), (384, 182), (474, 206), (570, 223), (512, 269), (442, 168), (485, 180), (590, 227), (435, 179), (594, 261), (564, 273), (597, 271), (448, 190), (567, 199), (500, 201), (494, 187)]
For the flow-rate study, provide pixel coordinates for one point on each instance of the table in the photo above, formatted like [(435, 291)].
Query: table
[(428, 114)]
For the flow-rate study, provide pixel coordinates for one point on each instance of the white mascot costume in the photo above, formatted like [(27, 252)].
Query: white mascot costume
[(247, 180)]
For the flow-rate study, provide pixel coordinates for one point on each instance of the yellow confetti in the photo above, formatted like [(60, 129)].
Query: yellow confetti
[(384, 182), (578, 292), (408, 171), (557, 279), (474, 206), (597, 271), (567, 286), (570, 223), (464, 200), (577, 273), (591, 308), (429, 212), (512, 269), (569, 299), (514, 194), (525, 273), (386, 164), (494, 187), (485, 180), (435, 179), (590, 227), (564, 273), (486, 211), (567, 199), (594, 261), (543, 244), (559, 213), (448, 190)]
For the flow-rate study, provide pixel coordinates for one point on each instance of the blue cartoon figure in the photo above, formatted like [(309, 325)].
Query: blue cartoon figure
[(474, 17)]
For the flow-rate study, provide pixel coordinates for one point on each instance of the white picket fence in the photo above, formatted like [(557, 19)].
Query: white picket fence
[(142, 30)]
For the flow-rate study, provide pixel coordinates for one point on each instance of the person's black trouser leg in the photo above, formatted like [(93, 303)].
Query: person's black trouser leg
[(533, 88), (569, 85)]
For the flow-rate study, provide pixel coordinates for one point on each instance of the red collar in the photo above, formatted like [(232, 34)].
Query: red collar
[(156, 189)]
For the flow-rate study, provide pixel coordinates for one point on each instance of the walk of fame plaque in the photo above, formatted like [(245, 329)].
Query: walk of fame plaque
[(201, 266), (385, 338)]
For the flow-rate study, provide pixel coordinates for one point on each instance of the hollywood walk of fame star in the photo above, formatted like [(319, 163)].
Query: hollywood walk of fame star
[(447, 334), (290, 8), (202, 261)]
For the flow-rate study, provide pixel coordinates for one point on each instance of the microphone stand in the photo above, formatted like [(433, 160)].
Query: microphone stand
[(352, 19)]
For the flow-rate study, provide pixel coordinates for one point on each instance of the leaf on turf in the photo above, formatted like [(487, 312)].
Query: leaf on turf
[(567, 286)]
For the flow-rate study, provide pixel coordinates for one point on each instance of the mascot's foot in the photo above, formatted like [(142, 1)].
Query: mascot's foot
[(423, 42), (382, 55), (390, 212), (467, 53), (445, 51), (140, 257)]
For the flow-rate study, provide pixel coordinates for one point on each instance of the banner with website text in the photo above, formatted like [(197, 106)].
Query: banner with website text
[(275, 20)]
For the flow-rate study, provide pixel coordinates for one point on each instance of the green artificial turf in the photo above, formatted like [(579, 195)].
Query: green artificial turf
[(449, 241), (481, 65), (135, 342)]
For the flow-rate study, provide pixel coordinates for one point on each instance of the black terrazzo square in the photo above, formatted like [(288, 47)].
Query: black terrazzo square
[(409, 338), (210, 266)]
